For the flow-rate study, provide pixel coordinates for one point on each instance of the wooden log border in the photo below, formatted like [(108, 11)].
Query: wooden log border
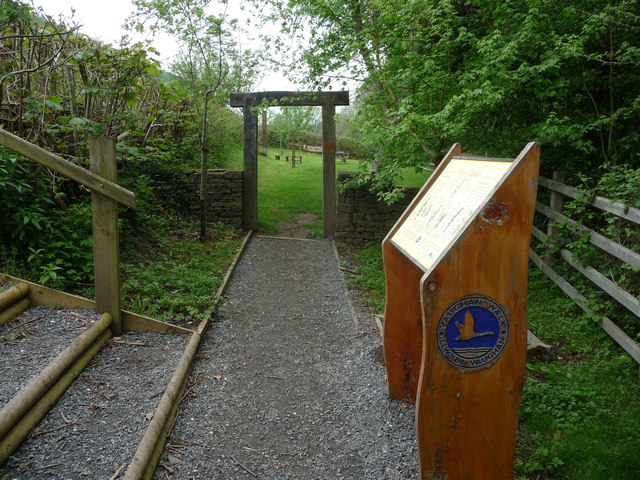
[(22, 401), (12, 311), (149, 450), (605, 244), (34, 400), (13, 301), (13, 294)]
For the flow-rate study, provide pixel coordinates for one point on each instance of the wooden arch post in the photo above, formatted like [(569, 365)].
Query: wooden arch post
[(455, 333), (250, 168), (328, 102)]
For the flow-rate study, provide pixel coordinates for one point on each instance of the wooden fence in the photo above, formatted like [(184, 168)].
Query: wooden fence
[(554, 217), (105, 196)]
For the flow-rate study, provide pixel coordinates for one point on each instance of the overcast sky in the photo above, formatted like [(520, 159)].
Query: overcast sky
[(103, 20)]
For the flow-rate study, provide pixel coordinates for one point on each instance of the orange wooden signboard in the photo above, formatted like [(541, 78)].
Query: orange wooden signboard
[(455, 333)]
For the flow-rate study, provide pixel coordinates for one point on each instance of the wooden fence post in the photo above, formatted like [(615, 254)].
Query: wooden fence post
[(555, 203), (250, 185), (106, 255), (328, 170), (265, 137)]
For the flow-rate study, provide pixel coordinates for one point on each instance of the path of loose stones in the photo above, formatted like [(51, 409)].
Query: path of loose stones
[(285, 386)]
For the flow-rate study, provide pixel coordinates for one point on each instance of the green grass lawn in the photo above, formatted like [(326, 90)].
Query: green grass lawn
[(284, 192)]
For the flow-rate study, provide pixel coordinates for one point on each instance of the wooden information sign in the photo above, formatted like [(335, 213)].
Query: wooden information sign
[(455, 330)]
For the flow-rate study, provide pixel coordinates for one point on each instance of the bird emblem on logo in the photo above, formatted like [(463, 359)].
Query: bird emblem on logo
[(467, 329)]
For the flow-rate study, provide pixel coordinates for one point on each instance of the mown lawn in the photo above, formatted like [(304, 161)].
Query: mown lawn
[(284, 192)]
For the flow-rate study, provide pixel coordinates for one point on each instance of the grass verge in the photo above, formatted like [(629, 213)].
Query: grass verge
[(579, 415), (173, 276)]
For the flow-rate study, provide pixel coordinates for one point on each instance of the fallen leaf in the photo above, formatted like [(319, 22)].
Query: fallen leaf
[(173, 460), (218, 377)]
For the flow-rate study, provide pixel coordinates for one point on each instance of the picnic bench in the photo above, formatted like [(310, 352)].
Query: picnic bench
[(343, 156)]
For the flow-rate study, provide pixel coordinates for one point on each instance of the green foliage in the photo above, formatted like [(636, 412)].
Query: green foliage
[(52, 243), (578, 409), (176, 279), (290, 122), (24, 200), (615, 182), (57, 88), (354, 146), (370, 276), (211, 63), (492, 75), (580, 420)]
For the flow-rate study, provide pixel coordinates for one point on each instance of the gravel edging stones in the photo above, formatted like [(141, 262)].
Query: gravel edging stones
[(286, 386)]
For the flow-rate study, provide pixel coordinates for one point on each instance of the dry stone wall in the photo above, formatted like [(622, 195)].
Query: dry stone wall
[(224, 190), (362, 218)]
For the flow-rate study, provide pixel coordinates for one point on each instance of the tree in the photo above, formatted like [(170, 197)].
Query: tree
[(490, 74), (208, 55), (291, 121)]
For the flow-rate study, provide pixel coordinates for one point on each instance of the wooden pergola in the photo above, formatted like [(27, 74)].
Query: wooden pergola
[(328, 102)]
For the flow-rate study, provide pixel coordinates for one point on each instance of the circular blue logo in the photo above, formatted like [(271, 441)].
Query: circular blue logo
[(473, 333)]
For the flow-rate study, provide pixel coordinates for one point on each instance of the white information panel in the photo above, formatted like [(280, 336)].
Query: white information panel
[(446, 207)]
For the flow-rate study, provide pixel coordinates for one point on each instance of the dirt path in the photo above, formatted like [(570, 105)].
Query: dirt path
[(299, 227), (285, 386)]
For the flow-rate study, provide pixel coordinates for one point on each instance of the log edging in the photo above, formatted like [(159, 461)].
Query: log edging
[(149, 450), (34, 400)]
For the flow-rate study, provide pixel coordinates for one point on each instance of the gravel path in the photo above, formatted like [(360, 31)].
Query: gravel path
[(96, 426), (35, 337), (286, 385)]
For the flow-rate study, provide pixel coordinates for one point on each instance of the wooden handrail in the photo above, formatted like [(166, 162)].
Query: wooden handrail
[(68, 169)]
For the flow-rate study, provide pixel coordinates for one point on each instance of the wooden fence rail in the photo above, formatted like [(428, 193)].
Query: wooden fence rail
[(105, 194), (553, 213)]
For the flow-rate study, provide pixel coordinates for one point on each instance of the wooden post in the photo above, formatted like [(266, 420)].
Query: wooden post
[(250, 182), (265, 138), (106, 255), (555, 203), (293, 150), (328, 170)]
